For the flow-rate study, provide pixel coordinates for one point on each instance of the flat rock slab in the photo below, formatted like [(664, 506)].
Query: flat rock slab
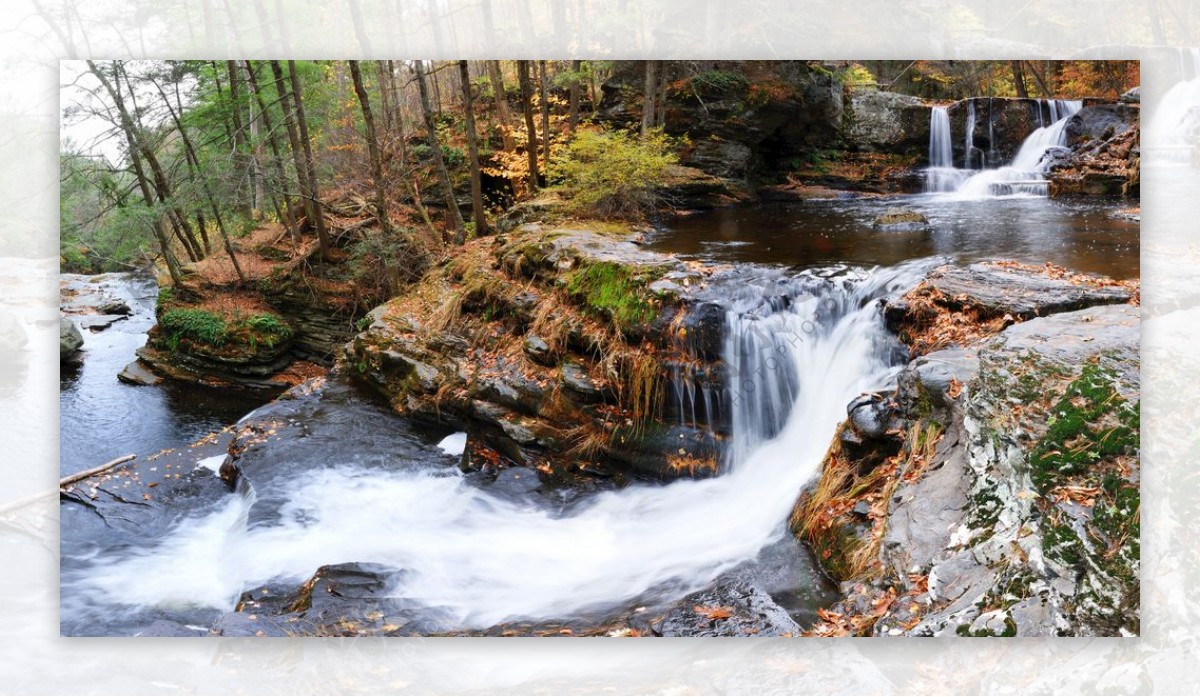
[(1022, 293), (1113, 334)]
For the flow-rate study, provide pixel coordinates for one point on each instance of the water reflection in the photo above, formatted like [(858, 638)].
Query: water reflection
[(1081, 235)]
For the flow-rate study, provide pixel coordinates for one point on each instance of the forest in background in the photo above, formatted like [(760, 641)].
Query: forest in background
[(385, 164)]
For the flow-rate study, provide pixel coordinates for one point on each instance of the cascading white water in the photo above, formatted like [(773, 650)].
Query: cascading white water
[(800, 350), (1174, 127), (941, 175), (969, 135), (1024, 176)]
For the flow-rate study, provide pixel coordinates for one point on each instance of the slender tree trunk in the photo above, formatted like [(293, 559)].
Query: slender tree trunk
[(660, 119), (454, 219), (194, 165), (473, 150), (573, 97), (501, 97), (527, 107), (385, 94), (1019, 79), (1041, 81), (545, 99), (381, 211), (309, 162), (649, 95), (239, 136), (139, 148), (286, 214)]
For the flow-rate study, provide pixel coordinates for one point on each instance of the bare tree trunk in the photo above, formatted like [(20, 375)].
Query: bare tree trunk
[(309, 163), (289, 121), (381, 211), (286, 214), (650, 94), (660, 119), (139, 148), (1037, 77), (545, 116), (473, 150), (453, 216), (239, 137), (194, 166), (1019, 79), (573, 97), (527, 107), (497, 80), (385, 94)]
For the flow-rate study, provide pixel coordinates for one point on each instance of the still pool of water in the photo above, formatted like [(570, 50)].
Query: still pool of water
[(1080, 235)]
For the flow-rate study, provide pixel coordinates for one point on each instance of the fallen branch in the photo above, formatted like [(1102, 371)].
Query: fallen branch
[(71, 479), (65, 481)]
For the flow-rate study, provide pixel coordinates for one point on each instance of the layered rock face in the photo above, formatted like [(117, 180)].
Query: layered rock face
[(1001, 497), (554, 349), (1104, 153)]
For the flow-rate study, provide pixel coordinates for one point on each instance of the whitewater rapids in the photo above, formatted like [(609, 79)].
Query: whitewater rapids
[(480, 560)]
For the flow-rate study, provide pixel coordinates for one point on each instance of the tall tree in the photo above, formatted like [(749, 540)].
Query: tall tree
[(501, 98), (279, 190), (527, 108), (289, 121), (239, 136), (141, 149), (464, 75), (381, 211), (545, 104), (1018, 74), (309, 162), (649, 96), (454, 219), (194, 167), (125, 125), (573, 96)]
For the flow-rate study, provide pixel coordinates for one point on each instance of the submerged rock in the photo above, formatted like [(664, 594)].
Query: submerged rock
[(901, 219)]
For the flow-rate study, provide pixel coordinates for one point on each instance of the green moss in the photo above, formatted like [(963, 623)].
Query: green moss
[(614, 291), (195, 325), (208, 329), (1079, 435)]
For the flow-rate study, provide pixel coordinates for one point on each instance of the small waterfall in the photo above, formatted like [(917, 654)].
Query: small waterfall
[(969, 135), (799, 349), (941, 175), (1024, 176)]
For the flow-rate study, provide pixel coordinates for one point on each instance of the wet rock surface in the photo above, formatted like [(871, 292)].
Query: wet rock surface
[(995, 290), (993, 525), (69, 339), (563, 353)]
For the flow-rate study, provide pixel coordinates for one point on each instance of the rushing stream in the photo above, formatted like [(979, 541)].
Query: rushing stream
[(476, 559), (357, 484)]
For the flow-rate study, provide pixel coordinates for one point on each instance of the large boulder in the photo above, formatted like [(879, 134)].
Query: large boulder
[(1100, 122), (69, 339), (887, 121)]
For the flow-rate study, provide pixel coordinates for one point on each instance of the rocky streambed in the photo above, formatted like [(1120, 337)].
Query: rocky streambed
[(543, 438)]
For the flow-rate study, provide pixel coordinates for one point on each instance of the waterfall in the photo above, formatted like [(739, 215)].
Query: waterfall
[(969, 134), (799, 349), (941, 174), (1024, 176)]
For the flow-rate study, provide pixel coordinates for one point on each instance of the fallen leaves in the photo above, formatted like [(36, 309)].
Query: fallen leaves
[(1082, 495), (713, 612)]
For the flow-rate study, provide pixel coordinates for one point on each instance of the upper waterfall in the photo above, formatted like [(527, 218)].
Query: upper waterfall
[(1024, 176)]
